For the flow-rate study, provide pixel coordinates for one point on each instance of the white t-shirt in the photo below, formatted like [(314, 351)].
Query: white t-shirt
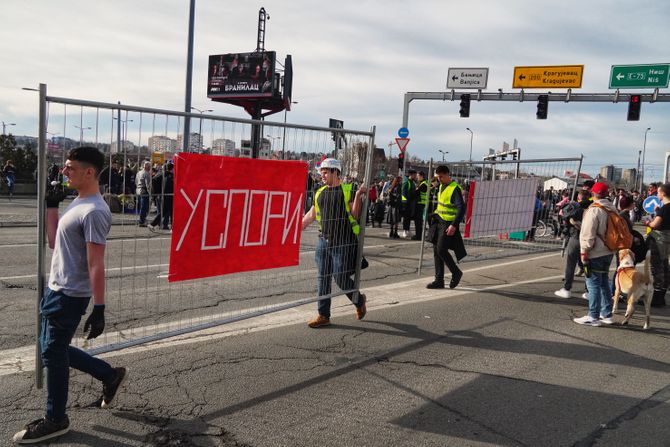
[(85, 220)]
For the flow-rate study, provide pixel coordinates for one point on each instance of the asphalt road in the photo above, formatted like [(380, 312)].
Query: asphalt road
[(496, 361)]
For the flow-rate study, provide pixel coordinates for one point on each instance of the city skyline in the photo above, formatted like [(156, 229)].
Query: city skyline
[(398, 48)]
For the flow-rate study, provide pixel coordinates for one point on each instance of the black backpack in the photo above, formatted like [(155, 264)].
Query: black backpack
[(570, 210)]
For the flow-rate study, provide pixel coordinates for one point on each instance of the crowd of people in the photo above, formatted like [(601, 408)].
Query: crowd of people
[(586, 223), (133, 188)]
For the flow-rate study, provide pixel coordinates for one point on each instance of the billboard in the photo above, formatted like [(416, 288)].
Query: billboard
[(241, 75)]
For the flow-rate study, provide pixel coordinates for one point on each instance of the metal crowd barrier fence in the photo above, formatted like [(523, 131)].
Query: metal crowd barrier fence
[(142, 305), (519, 211)]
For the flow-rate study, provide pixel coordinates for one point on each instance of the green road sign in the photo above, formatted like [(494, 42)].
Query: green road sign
[(639, 76)]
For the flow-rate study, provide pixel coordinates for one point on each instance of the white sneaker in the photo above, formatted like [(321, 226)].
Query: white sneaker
[(585, 295), (587, 320), (606, 320), (405, 234), (563, 293)]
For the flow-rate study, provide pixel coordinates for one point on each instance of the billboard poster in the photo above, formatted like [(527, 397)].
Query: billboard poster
[(241, 75), (223, 224)]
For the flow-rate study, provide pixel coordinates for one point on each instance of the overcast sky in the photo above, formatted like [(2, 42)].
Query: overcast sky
[(354, 60)]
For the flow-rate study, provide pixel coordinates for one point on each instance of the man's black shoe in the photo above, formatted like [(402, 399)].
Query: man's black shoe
[(436, 285), (658, 298), (455, 279), (111, 389), (40, 430), (416, 238)]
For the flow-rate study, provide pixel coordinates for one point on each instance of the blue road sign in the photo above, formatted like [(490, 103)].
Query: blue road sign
[(403, 132), (651, 203)]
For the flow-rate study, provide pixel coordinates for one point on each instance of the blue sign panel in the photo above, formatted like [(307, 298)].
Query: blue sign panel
[(651, 203), (403, 132)]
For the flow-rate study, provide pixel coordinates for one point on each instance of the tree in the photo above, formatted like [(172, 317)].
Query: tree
[(24, 158)]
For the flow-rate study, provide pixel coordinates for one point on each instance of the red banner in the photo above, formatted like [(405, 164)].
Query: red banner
[(235, 215)]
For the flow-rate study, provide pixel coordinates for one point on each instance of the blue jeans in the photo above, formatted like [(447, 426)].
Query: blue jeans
[(61, 315), (334, 262), (600, 294), (143, 207), (11, 181)]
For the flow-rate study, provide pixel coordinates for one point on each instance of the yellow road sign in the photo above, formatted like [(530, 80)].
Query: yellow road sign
[(157, 158), (559, 76)]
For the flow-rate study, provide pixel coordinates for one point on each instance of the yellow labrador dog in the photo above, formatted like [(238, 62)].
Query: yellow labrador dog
[(635, 284)]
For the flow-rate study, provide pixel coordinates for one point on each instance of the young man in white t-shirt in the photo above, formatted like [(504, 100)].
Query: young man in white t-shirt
[(78, 239)]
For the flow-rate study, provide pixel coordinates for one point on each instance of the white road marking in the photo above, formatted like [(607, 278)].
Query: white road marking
[(160, 266)]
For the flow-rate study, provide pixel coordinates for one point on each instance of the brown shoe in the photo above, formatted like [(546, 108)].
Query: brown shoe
[(361, 310), (319, 321)]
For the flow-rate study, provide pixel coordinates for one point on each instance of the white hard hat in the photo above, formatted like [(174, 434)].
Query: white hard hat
[(331, 163)]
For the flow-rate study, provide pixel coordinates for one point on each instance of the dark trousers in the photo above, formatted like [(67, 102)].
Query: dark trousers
[(334, 262), (659, 264), (406, 210), (60, 316), (441, 253), (164, 215), (572, 258), (418, 219)]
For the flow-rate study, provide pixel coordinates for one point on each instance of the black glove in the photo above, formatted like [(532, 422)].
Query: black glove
[(55, 195), (95, 321)]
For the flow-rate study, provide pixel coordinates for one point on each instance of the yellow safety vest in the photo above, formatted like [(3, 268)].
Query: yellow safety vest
[(410, 184), (445, 209), (346, 189), (423, 196)]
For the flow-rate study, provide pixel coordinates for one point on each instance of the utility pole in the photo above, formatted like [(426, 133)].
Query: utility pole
[(256, 131), (189, 77), (4, 127), (644, 150)]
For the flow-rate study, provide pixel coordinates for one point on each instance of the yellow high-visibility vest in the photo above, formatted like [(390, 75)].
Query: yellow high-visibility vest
[(423, 195), (445, 209), (346, 189)]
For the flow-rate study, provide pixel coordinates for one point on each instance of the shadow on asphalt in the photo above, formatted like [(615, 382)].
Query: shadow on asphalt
[(487, 409)]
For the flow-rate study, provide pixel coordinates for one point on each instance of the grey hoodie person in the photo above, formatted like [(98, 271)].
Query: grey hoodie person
[(594, 228)]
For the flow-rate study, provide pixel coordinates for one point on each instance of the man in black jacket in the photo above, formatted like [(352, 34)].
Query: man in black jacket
[(450, 213)]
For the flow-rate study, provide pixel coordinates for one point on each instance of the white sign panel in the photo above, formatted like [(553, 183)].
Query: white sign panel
[(502, 207), (467, 78)]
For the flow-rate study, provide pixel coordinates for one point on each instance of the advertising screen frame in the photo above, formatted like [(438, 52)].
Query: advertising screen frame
[(241, 75)]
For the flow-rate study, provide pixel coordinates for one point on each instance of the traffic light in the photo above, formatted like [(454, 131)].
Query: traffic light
[(634, 108), (515, 154), (465, 106), (401, 161), (542, 107)]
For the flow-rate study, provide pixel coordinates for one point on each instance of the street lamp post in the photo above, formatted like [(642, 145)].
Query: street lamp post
[(644, 149), (272, 144), (200, 129), (472, 134), (443, 153), (81, 132), (4, 126), (637, 171), (123, 136), (283, 140)]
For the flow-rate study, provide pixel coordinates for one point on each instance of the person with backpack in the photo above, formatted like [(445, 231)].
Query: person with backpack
[(658, 242), (596, 255)]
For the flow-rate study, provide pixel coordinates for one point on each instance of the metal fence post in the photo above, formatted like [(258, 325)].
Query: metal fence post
[(579, 170), (425, 215), (364, 214), (41, 226)]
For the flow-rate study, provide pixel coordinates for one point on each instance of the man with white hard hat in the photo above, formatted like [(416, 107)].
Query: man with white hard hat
[(337, 214)]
